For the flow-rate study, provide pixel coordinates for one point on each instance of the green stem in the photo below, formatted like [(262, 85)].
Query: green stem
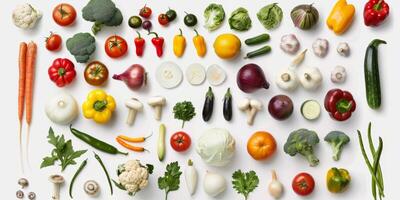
[(343, 106), (100, 105)]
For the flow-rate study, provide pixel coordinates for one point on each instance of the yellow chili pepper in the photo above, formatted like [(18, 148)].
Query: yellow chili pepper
[(179, 44), (341, 17), (199, 44), (337, 180), (98, 106)]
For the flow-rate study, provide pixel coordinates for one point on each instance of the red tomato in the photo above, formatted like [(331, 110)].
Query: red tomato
[(163, 19), (53, 42), (115, 46), (64, 14), (303, 184), (180, 141), (145, 12)]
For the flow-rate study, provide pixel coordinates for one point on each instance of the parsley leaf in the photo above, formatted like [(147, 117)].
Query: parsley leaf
[(184, 111), (245, 183), (63, 152), (171, 179)]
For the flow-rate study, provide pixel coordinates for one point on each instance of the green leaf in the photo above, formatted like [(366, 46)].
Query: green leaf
[(244, 183), (171, 179), (184, 111), (150, 168), (118, 185), (270, 16), (48, 161)]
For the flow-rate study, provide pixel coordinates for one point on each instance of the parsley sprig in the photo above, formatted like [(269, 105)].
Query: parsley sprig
[(244, 183), (171, 179)]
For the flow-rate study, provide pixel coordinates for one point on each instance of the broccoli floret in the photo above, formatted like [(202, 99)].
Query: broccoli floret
[(81, 46), (302, 142), (337, 140), (102, 12)]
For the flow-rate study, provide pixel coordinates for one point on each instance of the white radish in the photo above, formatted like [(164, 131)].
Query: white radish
[(195, 74), (275, 187), (214, 184), (169, 75), (215, 75), (191, 177)]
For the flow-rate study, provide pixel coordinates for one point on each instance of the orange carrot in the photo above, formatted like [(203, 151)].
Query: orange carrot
[(21, 93), (134, 139), (130, 147)]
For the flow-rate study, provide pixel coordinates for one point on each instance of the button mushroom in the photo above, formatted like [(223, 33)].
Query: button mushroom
[(343, 49), (23, 182), (31, 196), (157, 102), (19, 194), (320, 47), (251, 107), (338, 74), (134, 106), (91, 188), (57, 181)]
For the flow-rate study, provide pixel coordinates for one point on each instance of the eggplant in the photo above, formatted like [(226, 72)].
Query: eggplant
[(208, 105), (227, 110)]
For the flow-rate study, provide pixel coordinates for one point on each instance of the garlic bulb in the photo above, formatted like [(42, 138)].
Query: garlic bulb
[(290, 44), (311, 78), (320, 47), (343, 49), (338, 74)]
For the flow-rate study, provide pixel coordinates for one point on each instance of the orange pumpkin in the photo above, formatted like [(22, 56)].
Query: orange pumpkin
[(261, 145)]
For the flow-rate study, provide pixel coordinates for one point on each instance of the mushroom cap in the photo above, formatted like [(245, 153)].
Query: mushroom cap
[(256, 104), (56, 179), (157, 101), (244, 104), (91, 187), (134, 103)]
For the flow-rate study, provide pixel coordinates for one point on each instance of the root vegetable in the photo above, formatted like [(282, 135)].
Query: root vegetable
[(23, 47), (320, 47), (157, 102), (290, 44), (62, 109), (214, 184), (338, 74), (191, 177), (275, 187), (343, 49), (250, 78), (134, 106), (134, 77)]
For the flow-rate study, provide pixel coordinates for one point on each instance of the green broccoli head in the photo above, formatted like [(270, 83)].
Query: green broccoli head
[(302, 142), (102, 12), (337, 140), (81, 46)]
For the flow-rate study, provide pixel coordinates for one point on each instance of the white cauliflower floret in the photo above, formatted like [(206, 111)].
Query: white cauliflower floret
[(134, 177), (25, 16)]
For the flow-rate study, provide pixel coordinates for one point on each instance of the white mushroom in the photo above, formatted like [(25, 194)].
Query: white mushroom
[(338, 74), (311, 78), (57, 181), (134, 106), (290, 44), (343, 49), (251, 107), (320, 47), (157, 102), (91, 188)]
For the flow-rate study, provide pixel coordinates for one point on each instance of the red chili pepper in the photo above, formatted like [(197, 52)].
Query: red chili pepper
[(139, 44), (62, 72), (158, 42), (375, 12), (340, 104)]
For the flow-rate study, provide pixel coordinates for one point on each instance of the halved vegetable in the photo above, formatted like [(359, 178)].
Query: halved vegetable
[(169, 75), (195, 74), (215, 75), (311, 110)]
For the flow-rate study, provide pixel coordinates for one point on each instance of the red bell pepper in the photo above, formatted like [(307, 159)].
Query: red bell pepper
[(158, 42), (340, 104), (139, 44), (62, 72), (375, 12)]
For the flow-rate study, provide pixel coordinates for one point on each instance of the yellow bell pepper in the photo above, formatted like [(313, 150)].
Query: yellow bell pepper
[(98, 106), (341, 17), (179, 45), (199, 44), (337, 180)]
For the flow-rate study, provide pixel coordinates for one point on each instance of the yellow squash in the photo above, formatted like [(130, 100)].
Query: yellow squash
[(199, 44), (179, 44), (341, 17), (98, 106), (337, 180)]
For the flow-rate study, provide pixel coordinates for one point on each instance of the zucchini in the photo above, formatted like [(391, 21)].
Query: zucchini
[(261, 51), (371, 73), (257, 39), (161, 143), (311, 110), (208, 105)]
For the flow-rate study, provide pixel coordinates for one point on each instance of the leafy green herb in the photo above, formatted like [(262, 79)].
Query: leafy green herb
[(270, 16), (171, 179), (240, 20), (245, 183), (62, 152), (184, 111)]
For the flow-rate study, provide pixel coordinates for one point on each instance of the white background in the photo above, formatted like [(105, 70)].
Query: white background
[(358, 36)]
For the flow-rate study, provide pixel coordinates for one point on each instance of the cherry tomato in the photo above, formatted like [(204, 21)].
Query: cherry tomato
[(53, 42), (303, 184), (115, 46), (96, 73), (180, 141), (163, 19), (64, 14), (145, 12)]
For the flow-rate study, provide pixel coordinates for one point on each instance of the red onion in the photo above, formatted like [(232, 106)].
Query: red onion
[(251, 78), (134, 77), (280, 107)]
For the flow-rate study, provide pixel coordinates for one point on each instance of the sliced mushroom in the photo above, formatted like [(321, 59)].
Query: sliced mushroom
[(31, 196), (134, 106), (57, 181), (91, 188), (157, 102)]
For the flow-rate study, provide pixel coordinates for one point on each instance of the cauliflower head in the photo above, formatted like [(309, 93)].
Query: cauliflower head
[(133, 176), (25, 16)]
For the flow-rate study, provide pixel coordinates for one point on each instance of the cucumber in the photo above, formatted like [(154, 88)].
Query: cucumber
[(311, 110), (261, 51), (257, 39), (161, 143), (371, 73)]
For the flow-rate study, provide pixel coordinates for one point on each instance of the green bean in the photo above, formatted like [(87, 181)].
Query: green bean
[(105, 171), (76, 175)]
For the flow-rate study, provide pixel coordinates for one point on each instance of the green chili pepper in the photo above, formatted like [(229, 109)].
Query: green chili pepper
[(105, 171), (76, 175), (95, 143)]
